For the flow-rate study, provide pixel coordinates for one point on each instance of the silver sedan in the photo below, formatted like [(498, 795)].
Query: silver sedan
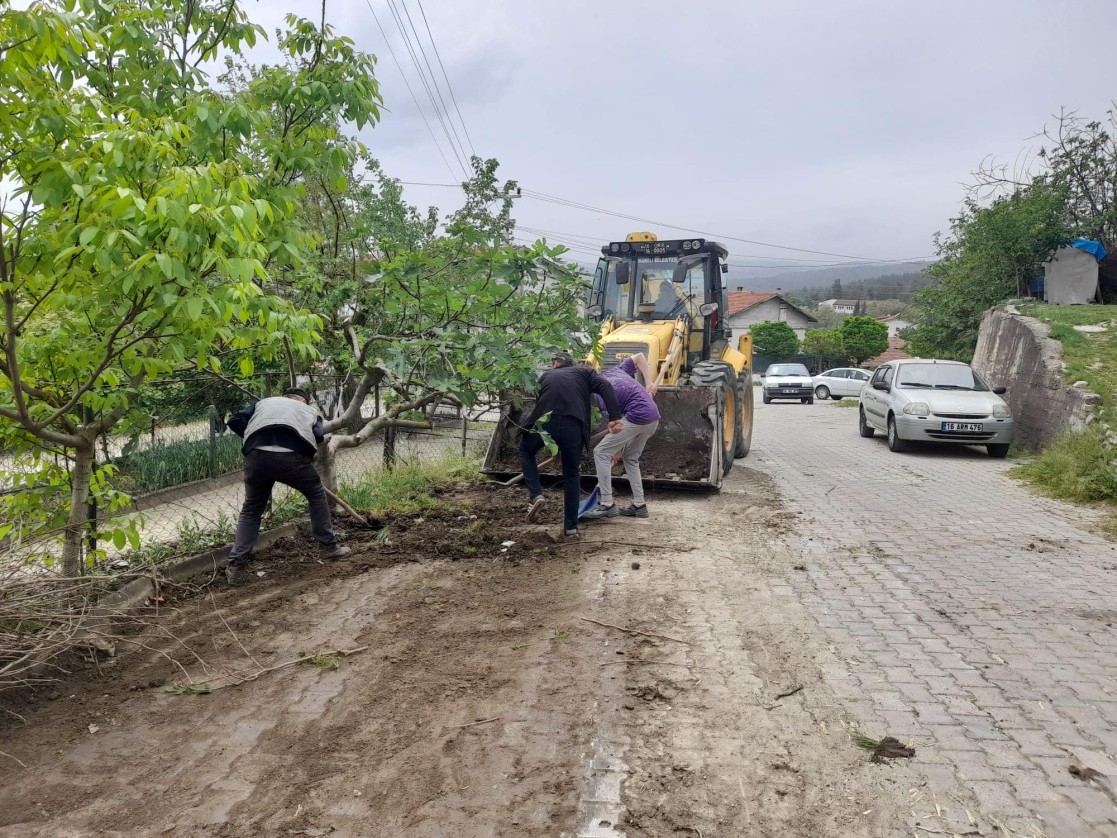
[(934, 401), (838, 383)]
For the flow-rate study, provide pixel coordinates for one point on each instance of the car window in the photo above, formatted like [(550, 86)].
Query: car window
[(839, 373), (887, 379), (879, 375), (788, 369), (860, 375), (940, 377), (827, 374)]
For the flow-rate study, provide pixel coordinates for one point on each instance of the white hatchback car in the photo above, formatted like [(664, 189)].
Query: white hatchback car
[(934, 401), (838, 383)]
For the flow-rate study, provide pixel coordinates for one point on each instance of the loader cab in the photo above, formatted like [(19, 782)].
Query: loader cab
[(646, 280)]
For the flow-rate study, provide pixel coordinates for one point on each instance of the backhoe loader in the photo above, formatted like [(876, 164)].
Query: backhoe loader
[(667, 300)]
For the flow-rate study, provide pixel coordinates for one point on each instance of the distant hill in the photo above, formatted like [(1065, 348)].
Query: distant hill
[(752, 280)]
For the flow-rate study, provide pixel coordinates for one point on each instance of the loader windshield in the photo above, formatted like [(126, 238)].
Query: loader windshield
[(651, 283)]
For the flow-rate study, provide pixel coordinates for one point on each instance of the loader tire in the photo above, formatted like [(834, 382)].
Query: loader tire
[(744, 402), (722, 375)]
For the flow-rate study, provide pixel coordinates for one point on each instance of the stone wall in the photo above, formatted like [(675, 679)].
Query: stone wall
[(1017, 352)]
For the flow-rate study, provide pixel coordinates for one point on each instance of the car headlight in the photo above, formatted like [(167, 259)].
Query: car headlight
[(918, 408), (1001, 411)]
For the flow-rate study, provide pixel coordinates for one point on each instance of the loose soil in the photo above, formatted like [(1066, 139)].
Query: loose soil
[(490, 700)]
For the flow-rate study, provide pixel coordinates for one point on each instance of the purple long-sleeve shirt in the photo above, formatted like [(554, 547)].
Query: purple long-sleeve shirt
[(639, 407)]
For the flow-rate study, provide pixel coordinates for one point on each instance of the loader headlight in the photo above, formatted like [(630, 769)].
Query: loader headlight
[(614, 247), (918, 409), (1001, 411)]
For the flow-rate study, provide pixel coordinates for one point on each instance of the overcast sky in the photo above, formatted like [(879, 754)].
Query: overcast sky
[(844, 126)]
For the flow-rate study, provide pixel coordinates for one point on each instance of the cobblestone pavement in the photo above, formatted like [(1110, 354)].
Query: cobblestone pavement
[(967, 615)]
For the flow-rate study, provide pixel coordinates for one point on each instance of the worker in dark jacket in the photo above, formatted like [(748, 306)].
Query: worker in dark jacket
[(564, 392), (281, 436)]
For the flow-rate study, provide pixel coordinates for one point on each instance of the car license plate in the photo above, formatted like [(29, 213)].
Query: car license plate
[(962, 426)]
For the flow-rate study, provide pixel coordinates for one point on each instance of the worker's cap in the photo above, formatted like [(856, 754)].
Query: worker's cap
[(298, 391), (563, 359)]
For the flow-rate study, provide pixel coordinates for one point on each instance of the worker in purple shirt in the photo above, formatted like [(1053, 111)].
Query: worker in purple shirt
[(641, 419)]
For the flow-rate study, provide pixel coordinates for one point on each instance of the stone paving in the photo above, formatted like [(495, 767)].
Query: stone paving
[(967, 615)]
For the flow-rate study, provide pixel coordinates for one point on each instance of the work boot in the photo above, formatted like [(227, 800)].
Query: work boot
[(335, 551), (236, 574), (535, 506), (635, 511), (601, 511)]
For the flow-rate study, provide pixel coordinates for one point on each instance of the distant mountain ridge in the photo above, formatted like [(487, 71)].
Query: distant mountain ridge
[(753, 280)]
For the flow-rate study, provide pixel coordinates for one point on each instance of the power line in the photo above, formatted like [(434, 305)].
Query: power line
[(449, 87), (426, 85), (399, 67), (540, 196)]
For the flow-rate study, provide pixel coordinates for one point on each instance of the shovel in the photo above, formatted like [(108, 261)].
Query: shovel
[(593, 441)]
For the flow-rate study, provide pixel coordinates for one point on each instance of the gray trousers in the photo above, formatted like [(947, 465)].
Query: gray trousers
[(629, 443)]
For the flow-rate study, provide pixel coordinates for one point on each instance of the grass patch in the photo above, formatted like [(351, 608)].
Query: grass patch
[(1090, 357), (1077, 466), (408, 489), (845, 403)]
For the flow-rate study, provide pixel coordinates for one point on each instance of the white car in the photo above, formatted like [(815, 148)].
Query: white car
[(787, 381), (838, 383), (918, 400)]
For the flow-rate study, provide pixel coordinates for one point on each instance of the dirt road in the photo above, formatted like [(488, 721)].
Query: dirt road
[(487, 699)]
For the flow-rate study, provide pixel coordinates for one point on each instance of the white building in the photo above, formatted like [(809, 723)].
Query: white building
[(747, 308), (841, 306)]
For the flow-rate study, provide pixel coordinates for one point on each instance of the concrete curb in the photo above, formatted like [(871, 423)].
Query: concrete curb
[(138, 591)]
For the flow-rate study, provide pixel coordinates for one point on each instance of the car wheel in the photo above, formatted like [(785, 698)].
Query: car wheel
[(767, 400), (894, 442), (810, 401), (822, 392), (998, 450), (837, 398), (863, 427), (802, 401)]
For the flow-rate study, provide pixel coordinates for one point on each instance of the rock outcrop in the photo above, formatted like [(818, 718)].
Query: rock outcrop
[(1017, 352)]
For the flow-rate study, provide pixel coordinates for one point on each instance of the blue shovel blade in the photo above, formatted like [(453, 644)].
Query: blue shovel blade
[(589, 503)]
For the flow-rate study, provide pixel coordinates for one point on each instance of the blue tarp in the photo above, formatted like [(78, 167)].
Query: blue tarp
[(1097, 249)]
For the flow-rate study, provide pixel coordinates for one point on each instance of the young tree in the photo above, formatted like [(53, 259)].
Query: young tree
[(827, 344), (775, 340), (148, 211), (864, 338)]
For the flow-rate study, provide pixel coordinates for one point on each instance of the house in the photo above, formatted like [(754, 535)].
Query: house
[(894, 352), (747, 308), (841, 306), (895, 324)]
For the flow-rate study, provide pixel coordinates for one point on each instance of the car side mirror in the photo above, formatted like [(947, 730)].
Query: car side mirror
[(880, 385), (762, 374), (1000, 391)]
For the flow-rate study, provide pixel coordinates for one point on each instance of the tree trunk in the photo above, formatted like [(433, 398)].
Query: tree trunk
[(326, 463), (79, 495)]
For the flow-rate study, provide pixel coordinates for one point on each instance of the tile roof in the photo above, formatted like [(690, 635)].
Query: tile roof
[(740, 300), (894, 352)]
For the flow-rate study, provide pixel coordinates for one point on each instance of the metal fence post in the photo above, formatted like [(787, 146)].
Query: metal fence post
[(212, 440), (390, 447), (465, 426)]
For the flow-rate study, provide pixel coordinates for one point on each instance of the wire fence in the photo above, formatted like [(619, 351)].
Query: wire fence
[(184, 471)]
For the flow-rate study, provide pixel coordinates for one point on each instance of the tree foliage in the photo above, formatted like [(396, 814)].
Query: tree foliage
[(863, 338), (828, 344), (774, 340), (990, 256), (148, 212)]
